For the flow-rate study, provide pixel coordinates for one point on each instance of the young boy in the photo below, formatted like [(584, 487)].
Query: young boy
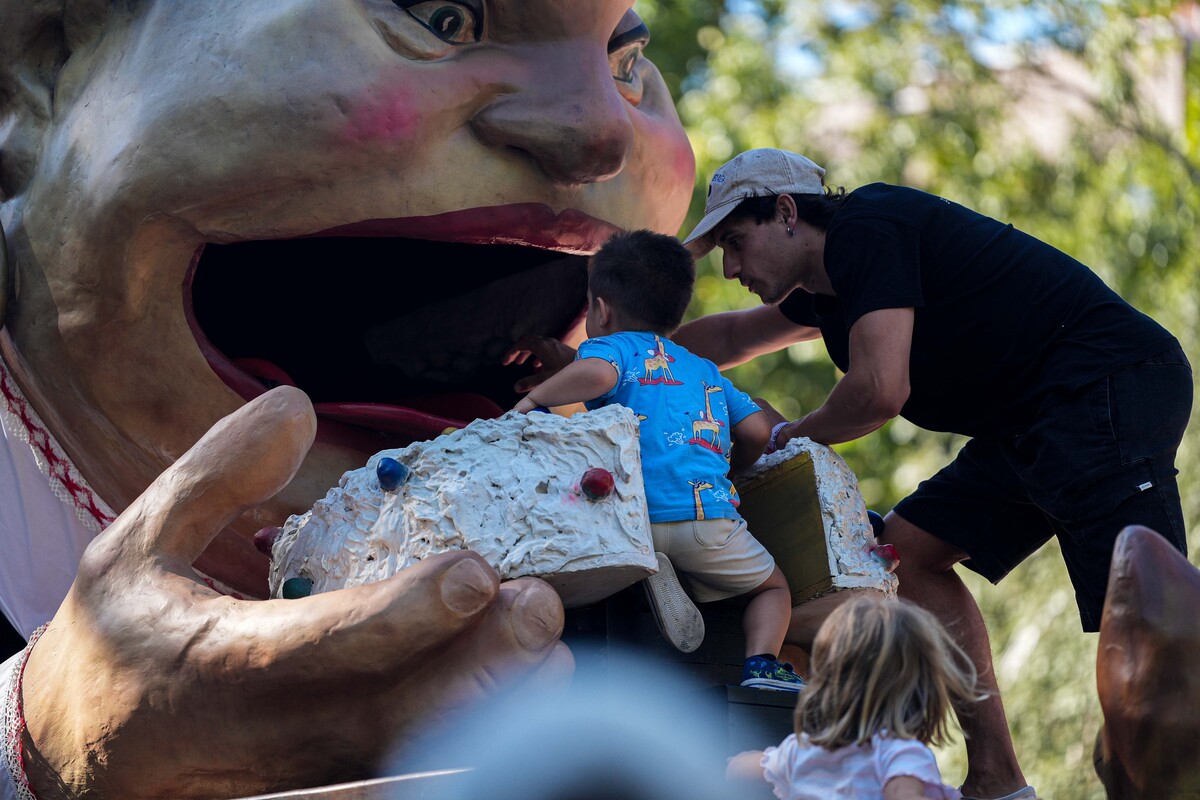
[(695, 426)]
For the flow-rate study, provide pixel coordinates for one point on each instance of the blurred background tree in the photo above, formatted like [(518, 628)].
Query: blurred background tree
[(1078, 122)]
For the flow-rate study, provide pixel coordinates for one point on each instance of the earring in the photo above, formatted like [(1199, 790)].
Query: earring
[(791, 231)]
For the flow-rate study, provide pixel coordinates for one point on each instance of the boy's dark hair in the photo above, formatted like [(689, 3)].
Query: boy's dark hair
[(815, 209), (646, 277)]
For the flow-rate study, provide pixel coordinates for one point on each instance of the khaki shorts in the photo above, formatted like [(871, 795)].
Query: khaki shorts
[(720, 557)]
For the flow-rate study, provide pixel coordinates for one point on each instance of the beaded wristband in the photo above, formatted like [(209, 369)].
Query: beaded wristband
[(771, 447)]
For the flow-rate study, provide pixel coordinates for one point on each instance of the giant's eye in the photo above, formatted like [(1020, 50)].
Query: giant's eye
[(625, 49), (454, 23), (623, 62)]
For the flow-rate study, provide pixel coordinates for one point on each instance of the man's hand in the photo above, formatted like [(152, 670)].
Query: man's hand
[(549, 355), (148, 684), (780, 426)]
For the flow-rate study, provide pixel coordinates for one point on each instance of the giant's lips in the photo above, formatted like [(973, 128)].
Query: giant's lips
[(394, 328)]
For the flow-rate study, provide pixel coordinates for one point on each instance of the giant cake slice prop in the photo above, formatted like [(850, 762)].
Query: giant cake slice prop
[(804, 505), (536, 495)]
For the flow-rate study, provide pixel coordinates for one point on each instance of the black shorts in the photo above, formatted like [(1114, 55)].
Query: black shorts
[(1094, 461)]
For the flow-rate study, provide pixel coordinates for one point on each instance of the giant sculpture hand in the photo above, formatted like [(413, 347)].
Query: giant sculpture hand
[(1148, 671), (147, 684)]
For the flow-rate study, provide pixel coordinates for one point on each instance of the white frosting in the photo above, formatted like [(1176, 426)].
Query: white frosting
[(848, 532), (506, 488)]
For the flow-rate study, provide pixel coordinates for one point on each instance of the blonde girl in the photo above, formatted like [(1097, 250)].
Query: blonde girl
[(883, 676)]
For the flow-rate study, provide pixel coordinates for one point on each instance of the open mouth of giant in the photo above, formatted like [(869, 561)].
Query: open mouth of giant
[(394, 329)]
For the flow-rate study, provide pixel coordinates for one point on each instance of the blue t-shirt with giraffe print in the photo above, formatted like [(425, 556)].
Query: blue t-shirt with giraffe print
[(687, 409)]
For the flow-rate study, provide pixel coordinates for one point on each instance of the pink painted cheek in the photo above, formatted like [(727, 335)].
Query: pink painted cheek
[(685, 162), (390, 116), (665, 143)]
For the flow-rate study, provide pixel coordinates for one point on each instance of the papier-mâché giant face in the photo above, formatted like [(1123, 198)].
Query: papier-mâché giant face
[(368, 199)]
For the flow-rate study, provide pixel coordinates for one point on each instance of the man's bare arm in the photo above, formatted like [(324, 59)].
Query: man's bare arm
[(734, 337), (872, 391)]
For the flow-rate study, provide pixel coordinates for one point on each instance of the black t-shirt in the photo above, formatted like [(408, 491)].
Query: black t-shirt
[(1001, 319)]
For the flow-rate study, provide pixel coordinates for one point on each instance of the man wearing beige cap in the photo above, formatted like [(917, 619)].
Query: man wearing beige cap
[(1075, 401)]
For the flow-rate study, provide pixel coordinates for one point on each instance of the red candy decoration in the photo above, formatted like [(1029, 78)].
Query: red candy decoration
[(886, 555), (597, 483), (264, 540)]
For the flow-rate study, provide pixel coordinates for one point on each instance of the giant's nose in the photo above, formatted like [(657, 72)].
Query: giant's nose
[(566, 115)]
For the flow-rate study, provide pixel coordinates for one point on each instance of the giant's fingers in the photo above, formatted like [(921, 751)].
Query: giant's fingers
[(244, 459), (518, 639), (555, 672), (381, 628)]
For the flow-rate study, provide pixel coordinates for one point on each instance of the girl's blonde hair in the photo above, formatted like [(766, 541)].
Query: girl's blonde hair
[(882, 665)]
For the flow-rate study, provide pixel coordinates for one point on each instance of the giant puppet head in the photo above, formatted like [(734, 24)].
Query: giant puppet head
[(365, 198)]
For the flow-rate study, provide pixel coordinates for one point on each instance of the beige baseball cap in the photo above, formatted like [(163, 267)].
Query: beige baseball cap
[(754, 173)]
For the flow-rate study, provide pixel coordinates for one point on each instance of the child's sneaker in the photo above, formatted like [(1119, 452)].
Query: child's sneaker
[(677, 616), (761, 673)]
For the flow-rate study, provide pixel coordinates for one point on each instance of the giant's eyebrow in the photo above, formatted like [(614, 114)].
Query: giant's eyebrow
[(639, 34)]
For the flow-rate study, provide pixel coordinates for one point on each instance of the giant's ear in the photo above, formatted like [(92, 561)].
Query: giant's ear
[(36, 39)]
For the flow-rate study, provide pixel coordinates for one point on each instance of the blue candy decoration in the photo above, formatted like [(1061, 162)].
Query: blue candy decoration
[(391, 473), (296, 587)]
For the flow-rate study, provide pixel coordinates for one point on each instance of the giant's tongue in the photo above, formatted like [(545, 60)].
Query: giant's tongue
[(411, 418), (453, 410)]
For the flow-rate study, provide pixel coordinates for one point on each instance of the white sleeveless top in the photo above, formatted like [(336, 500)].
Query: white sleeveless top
[(48, 514), (798, 770)]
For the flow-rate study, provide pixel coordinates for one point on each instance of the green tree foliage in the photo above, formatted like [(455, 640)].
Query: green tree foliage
[(939, 96)]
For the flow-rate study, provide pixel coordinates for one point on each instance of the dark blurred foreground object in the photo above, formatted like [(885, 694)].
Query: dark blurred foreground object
[(639, 729), (635, 731), (1148, 672)]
